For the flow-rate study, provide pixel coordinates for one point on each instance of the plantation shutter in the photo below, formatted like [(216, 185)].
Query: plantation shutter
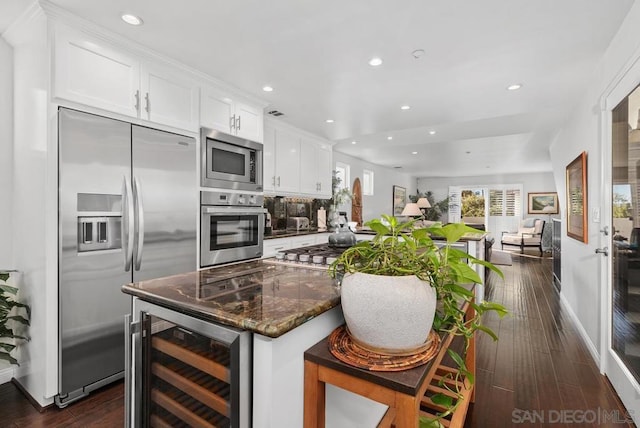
[(496, 202), (455, 204), (512, 197)]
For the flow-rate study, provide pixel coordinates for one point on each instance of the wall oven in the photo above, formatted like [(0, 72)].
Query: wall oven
[(229, 162), (231, 228)]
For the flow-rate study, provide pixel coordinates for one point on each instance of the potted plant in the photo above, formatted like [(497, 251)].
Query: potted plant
[(403, 276), (12, 312)]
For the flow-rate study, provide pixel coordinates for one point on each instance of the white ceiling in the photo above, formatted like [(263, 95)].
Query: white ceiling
[(315, 53)]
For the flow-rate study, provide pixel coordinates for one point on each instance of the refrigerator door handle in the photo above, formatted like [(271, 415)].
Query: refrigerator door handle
[(127, 230), (139, 228)]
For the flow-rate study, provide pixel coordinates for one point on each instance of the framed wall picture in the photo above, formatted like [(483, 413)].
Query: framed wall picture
[(576, 182), (399, 199), (543, 203)]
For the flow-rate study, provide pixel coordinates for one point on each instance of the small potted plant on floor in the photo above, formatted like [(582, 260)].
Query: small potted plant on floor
[(12, 313), (400, 285)]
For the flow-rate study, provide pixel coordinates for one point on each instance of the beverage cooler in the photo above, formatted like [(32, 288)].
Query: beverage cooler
[(183, 371)]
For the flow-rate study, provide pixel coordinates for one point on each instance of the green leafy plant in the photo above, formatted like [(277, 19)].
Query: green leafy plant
[(399, 249), (11, 312)]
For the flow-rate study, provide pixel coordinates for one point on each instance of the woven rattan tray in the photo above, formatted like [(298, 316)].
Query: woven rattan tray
[(346, 350)]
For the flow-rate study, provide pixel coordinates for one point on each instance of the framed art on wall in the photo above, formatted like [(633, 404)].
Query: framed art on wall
[(399, 199), (576, 182), (543, 203)]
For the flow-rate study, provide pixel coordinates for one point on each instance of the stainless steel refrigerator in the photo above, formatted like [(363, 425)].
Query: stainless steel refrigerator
[(128, 207)]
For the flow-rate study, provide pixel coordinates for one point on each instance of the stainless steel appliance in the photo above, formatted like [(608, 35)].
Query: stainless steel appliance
[(185, 371), (229, 162), (315, 256), (128, 209), (231, 227)]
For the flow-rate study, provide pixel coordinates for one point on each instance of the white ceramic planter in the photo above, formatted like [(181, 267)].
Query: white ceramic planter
[(388, 312)]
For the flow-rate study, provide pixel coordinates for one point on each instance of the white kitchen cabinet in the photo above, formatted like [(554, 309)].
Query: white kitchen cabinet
[(227, 113), (269, 159), (92, 72), (315, 173), (295, 163), (169, 98), (286, 176), (95, 74), (271, 246)]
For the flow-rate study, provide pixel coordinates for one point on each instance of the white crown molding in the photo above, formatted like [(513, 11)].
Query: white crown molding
[(15, 33), (62, 16)]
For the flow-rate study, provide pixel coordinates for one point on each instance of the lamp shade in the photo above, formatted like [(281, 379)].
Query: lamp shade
[(411, 209), (423, 203)]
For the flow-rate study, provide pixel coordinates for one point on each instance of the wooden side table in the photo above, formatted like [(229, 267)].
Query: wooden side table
[(405, 392)]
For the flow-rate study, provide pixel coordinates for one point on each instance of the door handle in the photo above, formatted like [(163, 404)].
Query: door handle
[(137, 100), (603, 250), (127, 370), (127, 230), (605, 230), (139, 223)]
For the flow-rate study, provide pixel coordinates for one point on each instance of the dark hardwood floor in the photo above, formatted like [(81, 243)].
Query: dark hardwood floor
[(540, 372), (539, 369)]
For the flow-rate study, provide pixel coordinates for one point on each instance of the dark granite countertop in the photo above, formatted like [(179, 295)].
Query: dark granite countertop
[(287, 233), (258, 296)]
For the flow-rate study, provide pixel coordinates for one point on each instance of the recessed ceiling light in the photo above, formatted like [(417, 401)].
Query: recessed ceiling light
[(329, 120), (467, 152), (389, 137), (405, 107), (414, 153), (418, 53), (432, 132), (514, 87), (354, 142), (132, 19), (267, 88), (375, 61)]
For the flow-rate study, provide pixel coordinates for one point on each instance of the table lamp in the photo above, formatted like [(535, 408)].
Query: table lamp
[(549, 209), (411, 210)]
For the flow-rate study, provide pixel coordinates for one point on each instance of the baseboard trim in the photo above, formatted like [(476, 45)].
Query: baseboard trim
[(6, 375), (593, 350), (31, 400)]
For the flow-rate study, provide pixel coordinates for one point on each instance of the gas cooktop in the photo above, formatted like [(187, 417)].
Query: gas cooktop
[(318, 256)]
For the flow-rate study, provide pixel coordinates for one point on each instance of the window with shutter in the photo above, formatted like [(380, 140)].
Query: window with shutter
[(496, 202), (513, 199)]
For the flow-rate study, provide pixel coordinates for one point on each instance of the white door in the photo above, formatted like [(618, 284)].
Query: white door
[(620, 341)]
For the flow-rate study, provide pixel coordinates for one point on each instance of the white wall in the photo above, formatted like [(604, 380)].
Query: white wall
[(6, 170), (6, 153), (384, 179), (582, 289)]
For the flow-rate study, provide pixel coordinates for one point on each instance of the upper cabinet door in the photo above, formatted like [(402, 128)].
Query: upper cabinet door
[(324, 162), (90, 72), (216, 110), (269, 159), (309, 171), (287, 161), (169, 98), (249, 122)]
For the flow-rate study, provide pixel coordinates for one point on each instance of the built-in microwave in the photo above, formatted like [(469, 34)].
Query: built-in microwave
[(229, 162), (231, 227)]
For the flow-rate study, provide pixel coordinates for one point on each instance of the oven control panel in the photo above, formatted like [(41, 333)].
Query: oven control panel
[(231, 199)]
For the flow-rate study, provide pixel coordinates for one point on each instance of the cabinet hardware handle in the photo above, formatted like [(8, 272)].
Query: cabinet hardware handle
[(148, 104), (278, 181), (138, 100), (239, 125), (232, 122), (273, 180)]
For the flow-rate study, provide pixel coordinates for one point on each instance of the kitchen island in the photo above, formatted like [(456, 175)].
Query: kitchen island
[(286, 309)]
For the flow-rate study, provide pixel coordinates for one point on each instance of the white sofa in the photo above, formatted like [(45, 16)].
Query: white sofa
[(529, 234)]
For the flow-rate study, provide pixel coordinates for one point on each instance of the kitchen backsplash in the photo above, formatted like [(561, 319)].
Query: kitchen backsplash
[(281, 208)]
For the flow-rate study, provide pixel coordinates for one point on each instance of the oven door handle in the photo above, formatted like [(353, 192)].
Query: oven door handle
[(233, 210)]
